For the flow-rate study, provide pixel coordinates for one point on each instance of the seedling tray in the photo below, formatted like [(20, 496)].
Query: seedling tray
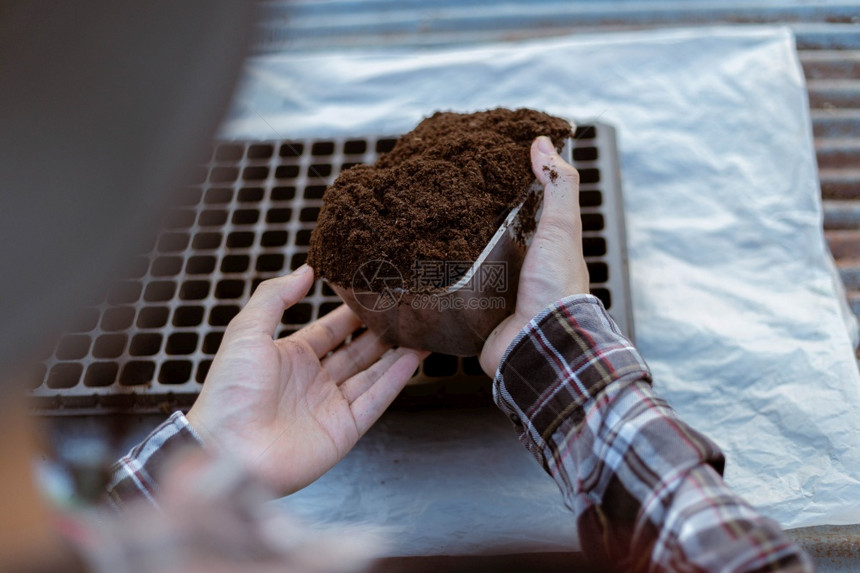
[(247, 216)]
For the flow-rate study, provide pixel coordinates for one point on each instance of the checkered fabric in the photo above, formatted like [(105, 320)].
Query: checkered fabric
[(137, 474), (646, 488)]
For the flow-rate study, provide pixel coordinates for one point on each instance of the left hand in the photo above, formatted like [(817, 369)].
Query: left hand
[(285, 407)]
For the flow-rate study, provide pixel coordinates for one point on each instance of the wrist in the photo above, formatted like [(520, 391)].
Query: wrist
[(140, 471), (560, 361), (498, 343), (502, 340), (197, 427)]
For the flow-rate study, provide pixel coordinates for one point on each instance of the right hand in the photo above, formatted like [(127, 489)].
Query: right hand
[(554, 266)]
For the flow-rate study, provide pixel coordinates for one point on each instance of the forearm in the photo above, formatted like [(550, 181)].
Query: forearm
[(644, 486), (655, 494)]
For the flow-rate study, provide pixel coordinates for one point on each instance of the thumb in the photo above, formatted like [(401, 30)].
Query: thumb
[(263, 312), (561, 189)]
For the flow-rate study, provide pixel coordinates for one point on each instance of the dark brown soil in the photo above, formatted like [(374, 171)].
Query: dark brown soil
[(439, 195), (553, 174)]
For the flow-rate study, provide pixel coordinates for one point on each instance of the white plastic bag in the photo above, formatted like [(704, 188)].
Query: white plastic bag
[(735, 310)]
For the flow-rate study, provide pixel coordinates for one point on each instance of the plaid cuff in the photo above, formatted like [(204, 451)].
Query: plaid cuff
[(138, 473), (564, 358)]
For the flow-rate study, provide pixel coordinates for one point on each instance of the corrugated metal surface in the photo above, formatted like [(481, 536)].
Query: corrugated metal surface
[(828, 40)]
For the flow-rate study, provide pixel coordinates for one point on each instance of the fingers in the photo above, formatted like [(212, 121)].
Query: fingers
[(329, 332), (561, 189), (372, 391), (361, 382), (354, 357), (263, 312)]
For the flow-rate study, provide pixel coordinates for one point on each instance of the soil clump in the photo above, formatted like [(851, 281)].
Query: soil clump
[(437, 197)]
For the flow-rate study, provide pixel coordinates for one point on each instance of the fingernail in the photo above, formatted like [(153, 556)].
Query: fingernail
[(302, 270), (545, 145)]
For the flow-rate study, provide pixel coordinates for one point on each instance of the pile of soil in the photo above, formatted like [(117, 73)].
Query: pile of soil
[(439, 195)]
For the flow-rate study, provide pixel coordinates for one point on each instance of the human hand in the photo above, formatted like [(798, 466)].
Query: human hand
[(286, 408), (554, 266)]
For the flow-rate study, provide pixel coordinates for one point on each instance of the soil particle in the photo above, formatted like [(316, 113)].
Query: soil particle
[(552, 173), (438, 195)]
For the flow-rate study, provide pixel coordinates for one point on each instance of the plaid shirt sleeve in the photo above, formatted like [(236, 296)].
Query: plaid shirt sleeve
[(137, 474), (646, 488)]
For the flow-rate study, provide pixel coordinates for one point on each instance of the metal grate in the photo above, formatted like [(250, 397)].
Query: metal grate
[(248, 217)]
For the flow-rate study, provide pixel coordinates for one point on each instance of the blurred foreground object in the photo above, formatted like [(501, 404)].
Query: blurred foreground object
[(102, 105), (212, 516)]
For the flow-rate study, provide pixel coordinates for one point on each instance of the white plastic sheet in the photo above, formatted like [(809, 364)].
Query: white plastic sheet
[(734, 306)]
